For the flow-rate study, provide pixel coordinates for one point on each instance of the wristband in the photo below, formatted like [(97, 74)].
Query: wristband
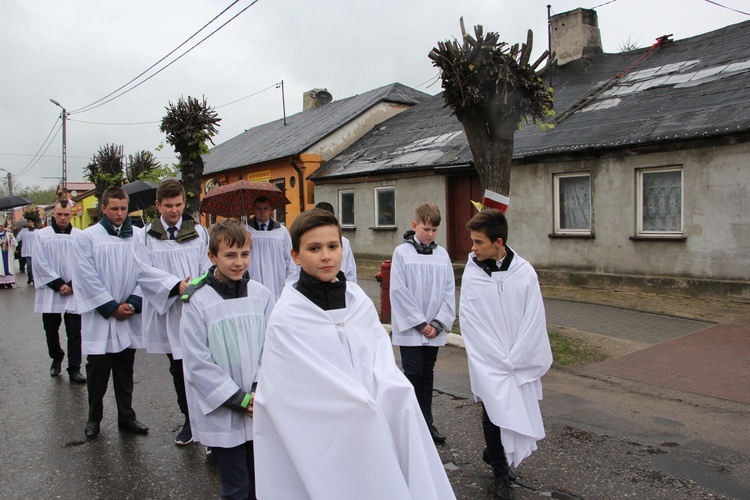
[(246, 400)]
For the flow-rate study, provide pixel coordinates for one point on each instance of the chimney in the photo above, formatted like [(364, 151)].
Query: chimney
[(315, 98), (575, 35)]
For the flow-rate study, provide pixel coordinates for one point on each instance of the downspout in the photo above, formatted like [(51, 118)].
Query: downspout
[(301, 183)]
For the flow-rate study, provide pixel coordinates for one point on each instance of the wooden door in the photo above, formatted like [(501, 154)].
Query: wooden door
[(460, 190)]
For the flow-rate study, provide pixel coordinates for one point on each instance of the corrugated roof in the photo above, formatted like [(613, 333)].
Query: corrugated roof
[(275, 140), (692, 88)]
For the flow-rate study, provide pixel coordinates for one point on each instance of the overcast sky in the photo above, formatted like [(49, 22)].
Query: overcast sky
[(78, 51)]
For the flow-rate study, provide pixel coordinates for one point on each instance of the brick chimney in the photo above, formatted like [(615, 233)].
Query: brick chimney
[(575, 35), (315, 98)]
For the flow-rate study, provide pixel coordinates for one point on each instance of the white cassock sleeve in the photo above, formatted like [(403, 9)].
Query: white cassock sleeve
[(154, 282), (334, 416), (43, 269), (504, 328), (403, 303), (90, 290)]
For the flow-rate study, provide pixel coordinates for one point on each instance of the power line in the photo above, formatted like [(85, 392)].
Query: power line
[(107, 99), (123, 123), (42, 146), (246, 97), (728, 8), (32, 163)]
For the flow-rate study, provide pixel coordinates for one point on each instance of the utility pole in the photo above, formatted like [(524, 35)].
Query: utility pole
[(64, 182), (283, 101), (10, 193)]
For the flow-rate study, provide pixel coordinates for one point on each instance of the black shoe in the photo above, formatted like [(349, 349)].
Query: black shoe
[(55, 369), (502, 489), (91, 430), (76, 377), (133, 426), (436, 436), (185, 436)]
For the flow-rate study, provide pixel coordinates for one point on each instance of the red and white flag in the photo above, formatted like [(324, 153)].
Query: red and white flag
[(496, 200)]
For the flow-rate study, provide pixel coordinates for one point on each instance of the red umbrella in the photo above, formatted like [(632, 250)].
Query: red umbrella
[(236, 199)]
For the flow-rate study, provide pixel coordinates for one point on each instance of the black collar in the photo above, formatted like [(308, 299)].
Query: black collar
[(326, 295), (232, 290), (57, 229), (489, 266)]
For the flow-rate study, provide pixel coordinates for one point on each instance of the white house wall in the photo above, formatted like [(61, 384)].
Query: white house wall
[(410, 192), (351, 132), (716, 216)]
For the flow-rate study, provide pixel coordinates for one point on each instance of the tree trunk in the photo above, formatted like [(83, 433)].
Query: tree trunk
[(192, 171), (492, 151)]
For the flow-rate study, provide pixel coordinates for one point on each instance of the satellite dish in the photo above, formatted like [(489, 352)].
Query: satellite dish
[(210, 184), (323, 97), (74, 193)]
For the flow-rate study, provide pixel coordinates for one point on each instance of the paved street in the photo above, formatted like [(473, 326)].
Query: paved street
[(608, 436)]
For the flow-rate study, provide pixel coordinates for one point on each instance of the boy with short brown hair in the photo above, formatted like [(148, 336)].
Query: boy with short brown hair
[(222, 333), (334, 416)]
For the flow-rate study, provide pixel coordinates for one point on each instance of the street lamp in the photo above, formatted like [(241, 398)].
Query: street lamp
[(64, 115)]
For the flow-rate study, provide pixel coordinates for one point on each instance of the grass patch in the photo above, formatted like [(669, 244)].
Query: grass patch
[(567, 351)]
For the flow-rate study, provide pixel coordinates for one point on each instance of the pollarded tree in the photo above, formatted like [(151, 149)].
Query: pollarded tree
[(106, 168), (140, 166), (190, 124), (492, 89)]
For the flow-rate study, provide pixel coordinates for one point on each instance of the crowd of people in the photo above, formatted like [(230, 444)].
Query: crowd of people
[(280, 364)]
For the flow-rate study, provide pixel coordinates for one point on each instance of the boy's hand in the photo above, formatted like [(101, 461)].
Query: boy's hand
[(249, 409), (65, 290), (184, 284), (123, 312), (429, 332)]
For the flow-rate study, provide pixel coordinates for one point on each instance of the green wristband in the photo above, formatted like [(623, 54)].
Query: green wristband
[(246, 400)]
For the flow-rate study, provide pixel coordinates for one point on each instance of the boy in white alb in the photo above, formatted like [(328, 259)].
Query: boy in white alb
[(54, 259), (271, 262), (222, 331), (109, 300), (504, 328), (170, 250), (334, 416), (423, 304)]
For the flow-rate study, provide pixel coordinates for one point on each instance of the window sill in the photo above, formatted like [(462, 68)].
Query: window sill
[(349, 228), (571, 236), (658, 238), (384, 228)]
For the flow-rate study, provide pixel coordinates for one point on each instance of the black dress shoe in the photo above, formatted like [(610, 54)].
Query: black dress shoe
[(55, 369), (76, 377), (436, 436), (502, 489), (133, 426), (91, 430)]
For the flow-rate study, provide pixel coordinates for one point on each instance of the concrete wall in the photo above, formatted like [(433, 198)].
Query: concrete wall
[(368, 243), (716, 216)]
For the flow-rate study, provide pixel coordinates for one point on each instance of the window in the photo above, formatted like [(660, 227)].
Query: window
[(280, 213), (346, 208), (660, 201), (385, 207), (573, 204)]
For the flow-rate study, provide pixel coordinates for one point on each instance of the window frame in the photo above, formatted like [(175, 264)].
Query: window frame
[(353, 222), (376, 191), (640, 174), (281, 184), (558, 230)]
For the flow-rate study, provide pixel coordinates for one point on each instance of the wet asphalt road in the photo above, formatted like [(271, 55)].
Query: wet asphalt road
[(604, 440)]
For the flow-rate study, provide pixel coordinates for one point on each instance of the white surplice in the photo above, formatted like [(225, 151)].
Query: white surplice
[(271, 258), (53, 256), (27, 238), (161, 265), (504, 328), (105, 270), (423, 288), (334, 416), (222, 342)]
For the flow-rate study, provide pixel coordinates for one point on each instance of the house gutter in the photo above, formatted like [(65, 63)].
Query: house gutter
[(301, 183)]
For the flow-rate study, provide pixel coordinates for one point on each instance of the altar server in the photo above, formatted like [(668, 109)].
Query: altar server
[(504, 328), (334, 416), (53, 255), (109, 300), (169, 251)]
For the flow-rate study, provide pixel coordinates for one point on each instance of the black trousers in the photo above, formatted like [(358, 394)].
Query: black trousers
[(495, 449), (52, 322), (29, 274), (98, 368), (178, 379), (418, 363), (236, 468)]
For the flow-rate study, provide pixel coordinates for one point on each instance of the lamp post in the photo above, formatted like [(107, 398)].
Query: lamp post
[(10, 192), (64, 184)]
